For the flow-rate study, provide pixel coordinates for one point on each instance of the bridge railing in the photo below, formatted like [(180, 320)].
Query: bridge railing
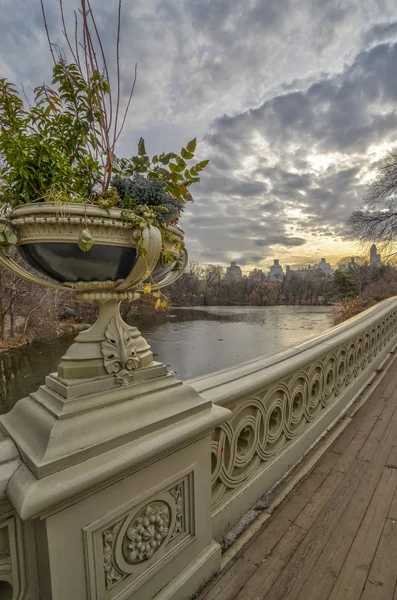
[(150, 477), (15, 581), (283, 403)]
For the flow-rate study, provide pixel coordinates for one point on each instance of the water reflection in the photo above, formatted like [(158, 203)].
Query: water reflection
[(24, 370), (192, 341), (199, 341)]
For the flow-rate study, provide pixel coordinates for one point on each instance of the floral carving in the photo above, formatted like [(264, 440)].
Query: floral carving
[(112, 575), (177, 494), (147, 532), (118, 351)]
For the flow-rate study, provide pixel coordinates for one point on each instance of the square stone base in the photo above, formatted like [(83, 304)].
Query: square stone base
[(146, 536)]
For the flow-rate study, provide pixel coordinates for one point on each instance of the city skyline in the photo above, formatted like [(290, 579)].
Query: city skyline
[(294, 103), (372, 258)]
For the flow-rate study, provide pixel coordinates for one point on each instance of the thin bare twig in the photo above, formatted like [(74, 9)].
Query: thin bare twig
[(47, 32), (118, 75), (24, 93), (105, 65), (65, 32), (93, 63), (128, 103), (99, 95), (76, 40)]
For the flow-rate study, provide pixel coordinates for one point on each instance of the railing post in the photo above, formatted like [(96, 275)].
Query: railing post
[(115, 483)]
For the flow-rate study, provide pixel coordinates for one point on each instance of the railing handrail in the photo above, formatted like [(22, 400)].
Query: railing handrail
[(229, 384), (9, 463)]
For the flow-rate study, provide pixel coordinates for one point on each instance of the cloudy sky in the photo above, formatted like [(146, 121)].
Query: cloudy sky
[(294, 102)]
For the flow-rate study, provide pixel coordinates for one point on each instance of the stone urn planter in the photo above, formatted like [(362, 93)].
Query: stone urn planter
[(121, 262)]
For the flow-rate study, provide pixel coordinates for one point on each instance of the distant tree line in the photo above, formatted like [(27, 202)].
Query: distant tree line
[(30, 313), (207, 285)]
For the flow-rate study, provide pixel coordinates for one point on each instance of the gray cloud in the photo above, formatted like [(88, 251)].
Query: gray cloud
[(288, 98), (380, 32), (282, 240), (342, 116)]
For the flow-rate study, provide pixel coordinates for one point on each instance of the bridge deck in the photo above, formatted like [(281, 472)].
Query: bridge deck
[(335, 536)]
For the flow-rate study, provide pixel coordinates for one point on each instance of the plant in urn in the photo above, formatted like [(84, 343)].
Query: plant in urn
[(89, 222)]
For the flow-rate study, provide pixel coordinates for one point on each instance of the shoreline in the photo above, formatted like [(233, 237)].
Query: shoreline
[(20, 341)]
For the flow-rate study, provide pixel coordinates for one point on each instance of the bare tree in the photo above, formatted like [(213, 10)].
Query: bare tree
[(212, 281), (376, 220)]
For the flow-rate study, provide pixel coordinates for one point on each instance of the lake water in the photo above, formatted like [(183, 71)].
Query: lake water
[(191, 341)]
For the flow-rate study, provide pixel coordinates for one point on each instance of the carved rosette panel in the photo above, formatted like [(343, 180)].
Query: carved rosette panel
[(147, 532), (130, 548), (119, 351), (264, 424)]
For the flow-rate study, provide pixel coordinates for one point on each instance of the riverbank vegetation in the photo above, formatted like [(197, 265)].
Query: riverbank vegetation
[(209, 285), (30, 314)]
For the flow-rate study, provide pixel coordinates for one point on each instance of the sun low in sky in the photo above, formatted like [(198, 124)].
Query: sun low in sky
[(293, 101)]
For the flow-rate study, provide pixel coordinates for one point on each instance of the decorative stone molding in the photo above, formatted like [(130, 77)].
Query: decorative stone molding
[(127, 551), (112, 575), (146, 532), (270, 418), (13, 568), (119, 351), (177, 494), (63, 223)]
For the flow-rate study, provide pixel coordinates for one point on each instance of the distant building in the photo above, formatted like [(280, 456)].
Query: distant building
[(325, 267), (374, 257), (276, 273), (233, 273), (312, 270), (351, 265)]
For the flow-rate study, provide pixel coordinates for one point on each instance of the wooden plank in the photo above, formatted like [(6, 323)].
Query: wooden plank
[(393, 508), (369, 449), (362, 423), (364, 426), (388, 390), (382, 577), (333, 558), (353, 449), (317, 502), (392, 460), (228, 583), (330, 562), (293, 576), (377, 433), (271, 566), (352, 577)]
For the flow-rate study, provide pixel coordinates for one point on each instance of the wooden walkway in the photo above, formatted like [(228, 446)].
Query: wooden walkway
[(335, 536)]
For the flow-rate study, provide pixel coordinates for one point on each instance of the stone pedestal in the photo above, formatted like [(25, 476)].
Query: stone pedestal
[(116, 482)]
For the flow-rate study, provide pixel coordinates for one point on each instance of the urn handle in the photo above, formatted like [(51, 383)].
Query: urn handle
[(176, 272), (11, 265)]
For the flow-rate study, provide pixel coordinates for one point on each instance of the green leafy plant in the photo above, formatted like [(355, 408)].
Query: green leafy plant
[(60, 148), (50, 149), (137, 191), (170, 169)]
